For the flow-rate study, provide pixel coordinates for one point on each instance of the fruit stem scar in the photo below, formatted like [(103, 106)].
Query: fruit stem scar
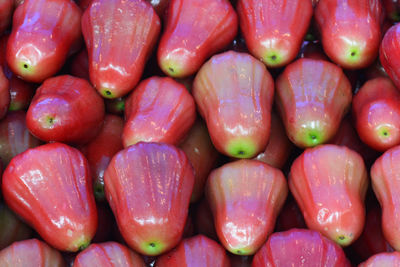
[(25, 66), (171, 69), (152, 245)]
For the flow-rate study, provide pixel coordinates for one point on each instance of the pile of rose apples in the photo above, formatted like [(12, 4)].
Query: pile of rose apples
[(199, 133)]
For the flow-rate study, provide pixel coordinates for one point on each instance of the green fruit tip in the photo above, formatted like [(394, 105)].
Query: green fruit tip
[(311, 138), (241, 148), (153, 248), (241, 251), (107, 93), (82, 243), (353, 55), (344, 240), (273, 59), (383, 132)]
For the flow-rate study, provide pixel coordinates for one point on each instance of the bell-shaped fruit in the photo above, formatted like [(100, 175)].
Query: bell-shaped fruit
[(119, 36), (31, 252), (376, 110), (158, 110), (245, 197), (4, 94), (195, 30), (329, 184), (350, 30), (385, 259), (108, 254), (234, 93), (43, 33), (274, 30), (389, 53), (65, 109), (148, 187), (300, 247), (195, 251), (50, 187), (312, 97)]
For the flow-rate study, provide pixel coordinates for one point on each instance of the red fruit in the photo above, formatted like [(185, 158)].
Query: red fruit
[(159, 6), (389, 54), (110, 254), (120, 36), (6, 12), (115, 106), (382, 259), (4, 94), (194, 30), (43, 33), (21, 94), (148, 187), (159, 110), (350, 30), (50, 188), (196, 251), (15, 137), (274, 30), (101, 149), (202, 154), (234, 93), (245, 197), (30, 252), (329, 184), (65, 109), (312, 97), (385, 173), (79, 66), (279, 146), (300, 247), (376, 109)]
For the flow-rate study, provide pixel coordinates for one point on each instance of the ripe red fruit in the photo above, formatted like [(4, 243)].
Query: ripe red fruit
[(329, 184), (194, 30), (245, 197), (31, 252), (51, 189), (4, 94), (234, 93), (108, 254), (300, 247), (389, 53), (148, 187), (195, 251), (350, 30), (43, 33), (382, 259), (312, 97), (120, 36), (21, 94), (274, 30), (158, 110), (65, 109)]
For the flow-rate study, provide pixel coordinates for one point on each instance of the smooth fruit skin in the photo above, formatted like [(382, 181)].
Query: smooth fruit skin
[(274, 30), (65, 109), (376, 110), (195, 251), (245, 197), (158, 110), (194, 30), (31, 252), (300, 247), (43, 33), (21, 94), (100, 150), (6, 12), (148, 187), (234, 94), (119, 36), (110, 254), (50, 187), (389, 53), (386, 259), (350, 30), (312, 97), (4, 94), (329, 184)]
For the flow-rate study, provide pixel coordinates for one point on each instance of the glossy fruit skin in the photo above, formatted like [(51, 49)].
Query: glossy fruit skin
[(43, 33), (119, 36), (189, 39), (322, 176), (195, 251), (202, 155), (59, 173), (234, 94), (6, 12), (382, 259), (101, 149), (21, 94), (159, 110), (385, 175), (350, 30), (110, 254), (31, 252), (65, 109), (4, 94), (300, 247), (376, 109), (389, 53), (160, 6), (274, 30), (245, 197), (312, 97), (148, 187)]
